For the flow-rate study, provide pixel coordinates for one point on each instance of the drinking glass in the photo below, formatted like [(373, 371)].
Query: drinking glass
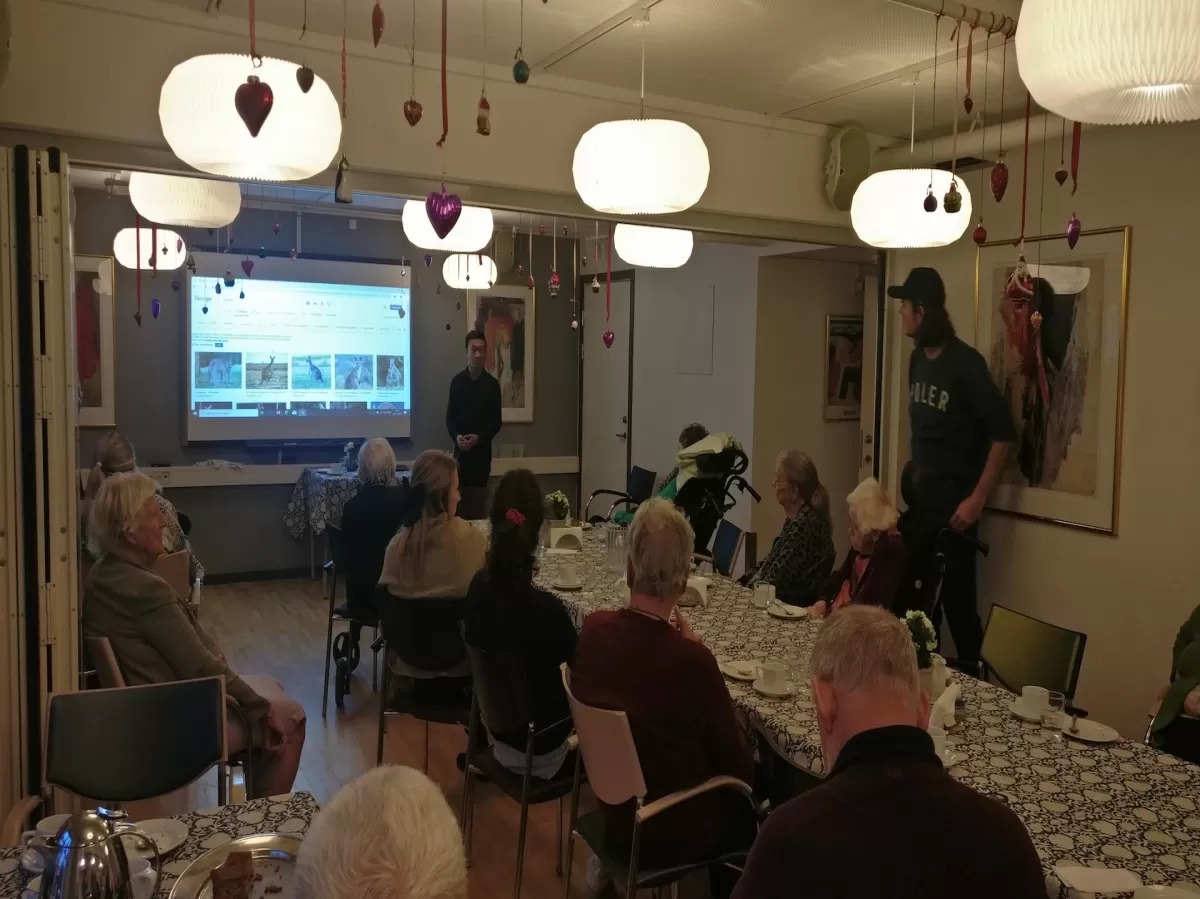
[(1053, 715), (615, 547)]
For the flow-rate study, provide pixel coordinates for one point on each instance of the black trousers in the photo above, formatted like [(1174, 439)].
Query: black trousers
[(473, 502)]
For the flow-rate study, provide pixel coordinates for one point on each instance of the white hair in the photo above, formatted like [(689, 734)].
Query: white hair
[(386, 835), (114, 510), (660, 550), (871, 509), (376, 461), (863, 646)]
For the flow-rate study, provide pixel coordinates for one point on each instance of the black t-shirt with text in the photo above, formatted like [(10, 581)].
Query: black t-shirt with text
[(956, 413)]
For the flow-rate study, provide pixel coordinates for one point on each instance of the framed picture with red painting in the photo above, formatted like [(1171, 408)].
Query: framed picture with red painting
[(95, 341), (506, 317), (843, 367)]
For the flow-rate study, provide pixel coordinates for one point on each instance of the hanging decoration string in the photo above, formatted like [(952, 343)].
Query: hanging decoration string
[(304, 22), (912, 121), (485, 56), (608, 276), (343, 60), (137, 249), (412, 51), (1076, 136), (255, 58), (1003, 73), (937, 25), (153, 249), (1042, 187), (1025, 173), (445, 108), (957, 37), (968, 103), (531, 252), (642, 107), (987, 51), (554, 239)]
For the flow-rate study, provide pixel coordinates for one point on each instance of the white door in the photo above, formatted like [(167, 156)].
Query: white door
[(867, 448), (605, 448)]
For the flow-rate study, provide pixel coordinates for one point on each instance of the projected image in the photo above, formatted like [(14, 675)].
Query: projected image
[(389, 372), (353, 373), (266, 372), (303, 407), (219, 370), (265, 408), (347, 407), (311, 372), (201, 408)]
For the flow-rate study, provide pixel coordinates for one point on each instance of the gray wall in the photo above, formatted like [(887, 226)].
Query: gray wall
[(240, 529)]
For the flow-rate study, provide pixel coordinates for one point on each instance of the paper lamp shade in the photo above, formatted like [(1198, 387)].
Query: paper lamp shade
[(184, 202), (641, 166), (1112, 62), (652, 247), (166, 247), (886, 210), (299, 138), (465, 271), (472, 231)]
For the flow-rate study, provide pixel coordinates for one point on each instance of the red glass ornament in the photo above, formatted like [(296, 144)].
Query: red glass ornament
[(1074, 227), (304, 78), (555, 283), (253, 101), (483, 117), (137, 317), (531, 284), (968, 104), (542, 230), (276, 228), (377, 22), (930, 204), (412, 111), (608, 338), (247, 267), (999, 180), (979, 235), (1061, 176)]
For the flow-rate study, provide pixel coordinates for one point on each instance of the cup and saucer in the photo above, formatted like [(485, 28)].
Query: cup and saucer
[(949, 758), (567, 577), (1030, 704), (777, 609), (744, 671), (773, 682)]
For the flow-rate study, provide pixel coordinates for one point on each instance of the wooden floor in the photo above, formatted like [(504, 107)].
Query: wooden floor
[(278, 628)]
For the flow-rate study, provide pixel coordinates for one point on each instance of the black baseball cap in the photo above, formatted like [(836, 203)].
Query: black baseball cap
[(922, 287)]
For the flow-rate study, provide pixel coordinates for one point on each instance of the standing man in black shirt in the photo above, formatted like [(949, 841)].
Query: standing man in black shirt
[(961, 436), (473, 419)]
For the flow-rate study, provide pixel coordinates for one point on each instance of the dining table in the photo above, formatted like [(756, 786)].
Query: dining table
[(1115, 805), (290, 814)]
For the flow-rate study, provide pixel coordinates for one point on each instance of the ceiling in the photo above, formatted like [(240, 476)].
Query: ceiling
[(827, 61)]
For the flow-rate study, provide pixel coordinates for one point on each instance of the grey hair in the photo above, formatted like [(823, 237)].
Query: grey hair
[(871, 509), (660, 550), (386, 835), (115, 509), (865, 646), (376, 461)]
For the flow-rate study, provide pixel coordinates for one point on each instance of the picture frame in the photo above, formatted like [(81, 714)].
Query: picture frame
[(1058, 358), (507, 316), (843, 367), (92, 291)]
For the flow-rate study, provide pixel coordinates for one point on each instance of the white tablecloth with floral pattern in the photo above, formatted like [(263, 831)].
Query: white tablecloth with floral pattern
[(1122, 805)]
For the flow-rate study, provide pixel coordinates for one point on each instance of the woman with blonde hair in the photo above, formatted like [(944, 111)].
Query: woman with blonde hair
[(802, 555), (874, 566), (113, 454)]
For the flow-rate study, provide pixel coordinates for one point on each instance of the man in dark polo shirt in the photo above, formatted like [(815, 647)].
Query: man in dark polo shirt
[(888, 822), (473, 419), (961, 436)]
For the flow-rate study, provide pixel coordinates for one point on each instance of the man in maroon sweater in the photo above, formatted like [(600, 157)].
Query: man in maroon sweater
[(889, 822), (658, 672)]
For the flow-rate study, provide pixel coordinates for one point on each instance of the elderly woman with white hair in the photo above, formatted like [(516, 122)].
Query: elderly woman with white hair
[(874, 567), (157, 639), (386, 835)]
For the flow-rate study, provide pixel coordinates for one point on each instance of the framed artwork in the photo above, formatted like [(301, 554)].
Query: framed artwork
[(1058, 358), (843, 367), (507, 318), (95, 341)]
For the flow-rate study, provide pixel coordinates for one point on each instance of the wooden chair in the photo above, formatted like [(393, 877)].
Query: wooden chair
[(174, 568)]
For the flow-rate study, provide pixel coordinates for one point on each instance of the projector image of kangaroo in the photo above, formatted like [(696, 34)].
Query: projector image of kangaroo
[(393, 373), (219, 369), (314, 372), (360, 374), (265, 377)]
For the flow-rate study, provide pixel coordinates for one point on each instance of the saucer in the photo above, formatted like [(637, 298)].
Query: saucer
[(779, 610), (569, 587), (788, 689), (1018, 709), (1090, 731), (745, 671), (950, 759)]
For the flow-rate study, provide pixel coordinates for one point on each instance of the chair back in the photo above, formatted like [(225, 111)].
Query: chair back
[(132, 743), (104, 661), (1020, 651), (425, 633), (640, 484), (501, 690), (609, 754), (727, 546), (173, 568)]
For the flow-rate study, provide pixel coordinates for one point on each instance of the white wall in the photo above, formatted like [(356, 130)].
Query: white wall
[(1129, 593)]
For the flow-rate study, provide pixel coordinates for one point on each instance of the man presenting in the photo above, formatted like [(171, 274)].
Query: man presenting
[(961, 435), (473, 419)]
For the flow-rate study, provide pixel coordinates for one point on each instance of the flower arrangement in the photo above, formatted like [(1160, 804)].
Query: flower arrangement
[(558, 507), (924, 637)]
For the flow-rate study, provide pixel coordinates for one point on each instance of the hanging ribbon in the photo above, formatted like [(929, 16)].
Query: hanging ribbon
[(1003, 73), (937, 24), (1076, 136), (954, 139), (343, 60), (1025, 173), (608, 276), (137, 249), (445, 111), (253, 48), (968, 103), (153, 249)]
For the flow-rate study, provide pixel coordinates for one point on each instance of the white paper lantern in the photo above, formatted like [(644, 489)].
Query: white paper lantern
[(652, 247), (165, 247), (1112, 62), (185, 202), (472, 231), (299, 138), (887, 210), (469, 271), (641, 166)]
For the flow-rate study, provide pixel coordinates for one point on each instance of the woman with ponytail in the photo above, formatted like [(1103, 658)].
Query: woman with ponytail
[(802, 556), (506, 613)]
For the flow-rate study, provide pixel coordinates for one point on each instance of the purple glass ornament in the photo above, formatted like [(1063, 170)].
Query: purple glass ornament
[(175, 285), (608, 338), (204, 308), (1073, 229), (443, 210), (427, 259), (247, 267), (930, 203), (155, 307), (217, 287), (276, 228), (137, 317)]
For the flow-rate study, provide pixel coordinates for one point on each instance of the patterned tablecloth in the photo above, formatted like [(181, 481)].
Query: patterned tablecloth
[(207, 829), (1122, 805), (318, 497)]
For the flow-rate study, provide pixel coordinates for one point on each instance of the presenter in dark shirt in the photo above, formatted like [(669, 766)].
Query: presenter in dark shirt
[(473, 420), (961, 436)]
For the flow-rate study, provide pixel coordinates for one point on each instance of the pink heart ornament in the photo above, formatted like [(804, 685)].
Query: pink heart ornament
[(247, 266), (443, 210)]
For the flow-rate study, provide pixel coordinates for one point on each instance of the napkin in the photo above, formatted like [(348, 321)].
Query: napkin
[(1098, 880), (942, 713), (697, 590)]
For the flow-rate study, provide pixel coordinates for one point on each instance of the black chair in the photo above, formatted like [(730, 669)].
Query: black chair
[(727, 546), (131, 743), (426, 636), (347, 650), (1020, 651), (503, 703), (639, 486)]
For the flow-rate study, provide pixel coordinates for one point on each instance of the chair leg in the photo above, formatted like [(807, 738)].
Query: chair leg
[(222, 784), (375, 660), (521, 848), (468, 814), (328, 655), (383, 700), (558, 858), (567, 868), (675, 890)]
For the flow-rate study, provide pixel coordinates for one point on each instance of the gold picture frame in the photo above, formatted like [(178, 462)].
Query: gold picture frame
[(93, 287), (1061, 370), (842, 397)]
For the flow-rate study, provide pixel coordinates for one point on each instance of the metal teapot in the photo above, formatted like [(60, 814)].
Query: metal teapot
[(86, 858)]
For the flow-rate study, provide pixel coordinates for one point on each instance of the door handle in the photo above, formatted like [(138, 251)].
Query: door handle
[(623, 435)]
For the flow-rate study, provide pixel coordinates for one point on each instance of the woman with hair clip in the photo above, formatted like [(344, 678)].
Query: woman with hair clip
[(506, 613), (802, 556)]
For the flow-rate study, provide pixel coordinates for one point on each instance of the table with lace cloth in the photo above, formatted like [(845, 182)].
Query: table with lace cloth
[(1120, 805)]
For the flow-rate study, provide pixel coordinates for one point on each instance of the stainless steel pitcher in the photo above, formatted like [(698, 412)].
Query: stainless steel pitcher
[(86, 858)]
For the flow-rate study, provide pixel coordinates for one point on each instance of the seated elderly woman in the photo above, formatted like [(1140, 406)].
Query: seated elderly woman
[(874, 566), (156, 638), (1176, 725), (669, 486), (802, 556), (646, 661), (114, 453), (388, 834)]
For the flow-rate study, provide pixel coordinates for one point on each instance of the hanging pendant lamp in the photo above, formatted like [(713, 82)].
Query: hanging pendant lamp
[(886, 210), (184, 202), (471, 232), (469, 271), (162, 250), (652, 247), (1112, 62)]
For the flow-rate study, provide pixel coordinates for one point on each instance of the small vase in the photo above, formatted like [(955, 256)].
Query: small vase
[(547, 524), (935, 678)]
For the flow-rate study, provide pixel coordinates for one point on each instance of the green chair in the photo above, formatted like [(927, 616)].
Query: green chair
[(1020, 651)]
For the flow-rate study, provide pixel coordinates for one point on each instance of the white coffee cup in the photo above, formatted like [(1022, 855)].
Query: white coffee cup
[(31, 860), (771, 593), (762, 595), (939, 740), (567, 574), (774, 675), (1035, 699), (700, 585), (141, 876)]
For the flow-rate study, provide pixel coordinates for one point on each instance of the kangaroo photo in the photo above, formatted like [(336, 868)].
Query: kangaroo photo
[(311, 372), (266, 372), (353, 372), (220, 370), (389, 372)]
